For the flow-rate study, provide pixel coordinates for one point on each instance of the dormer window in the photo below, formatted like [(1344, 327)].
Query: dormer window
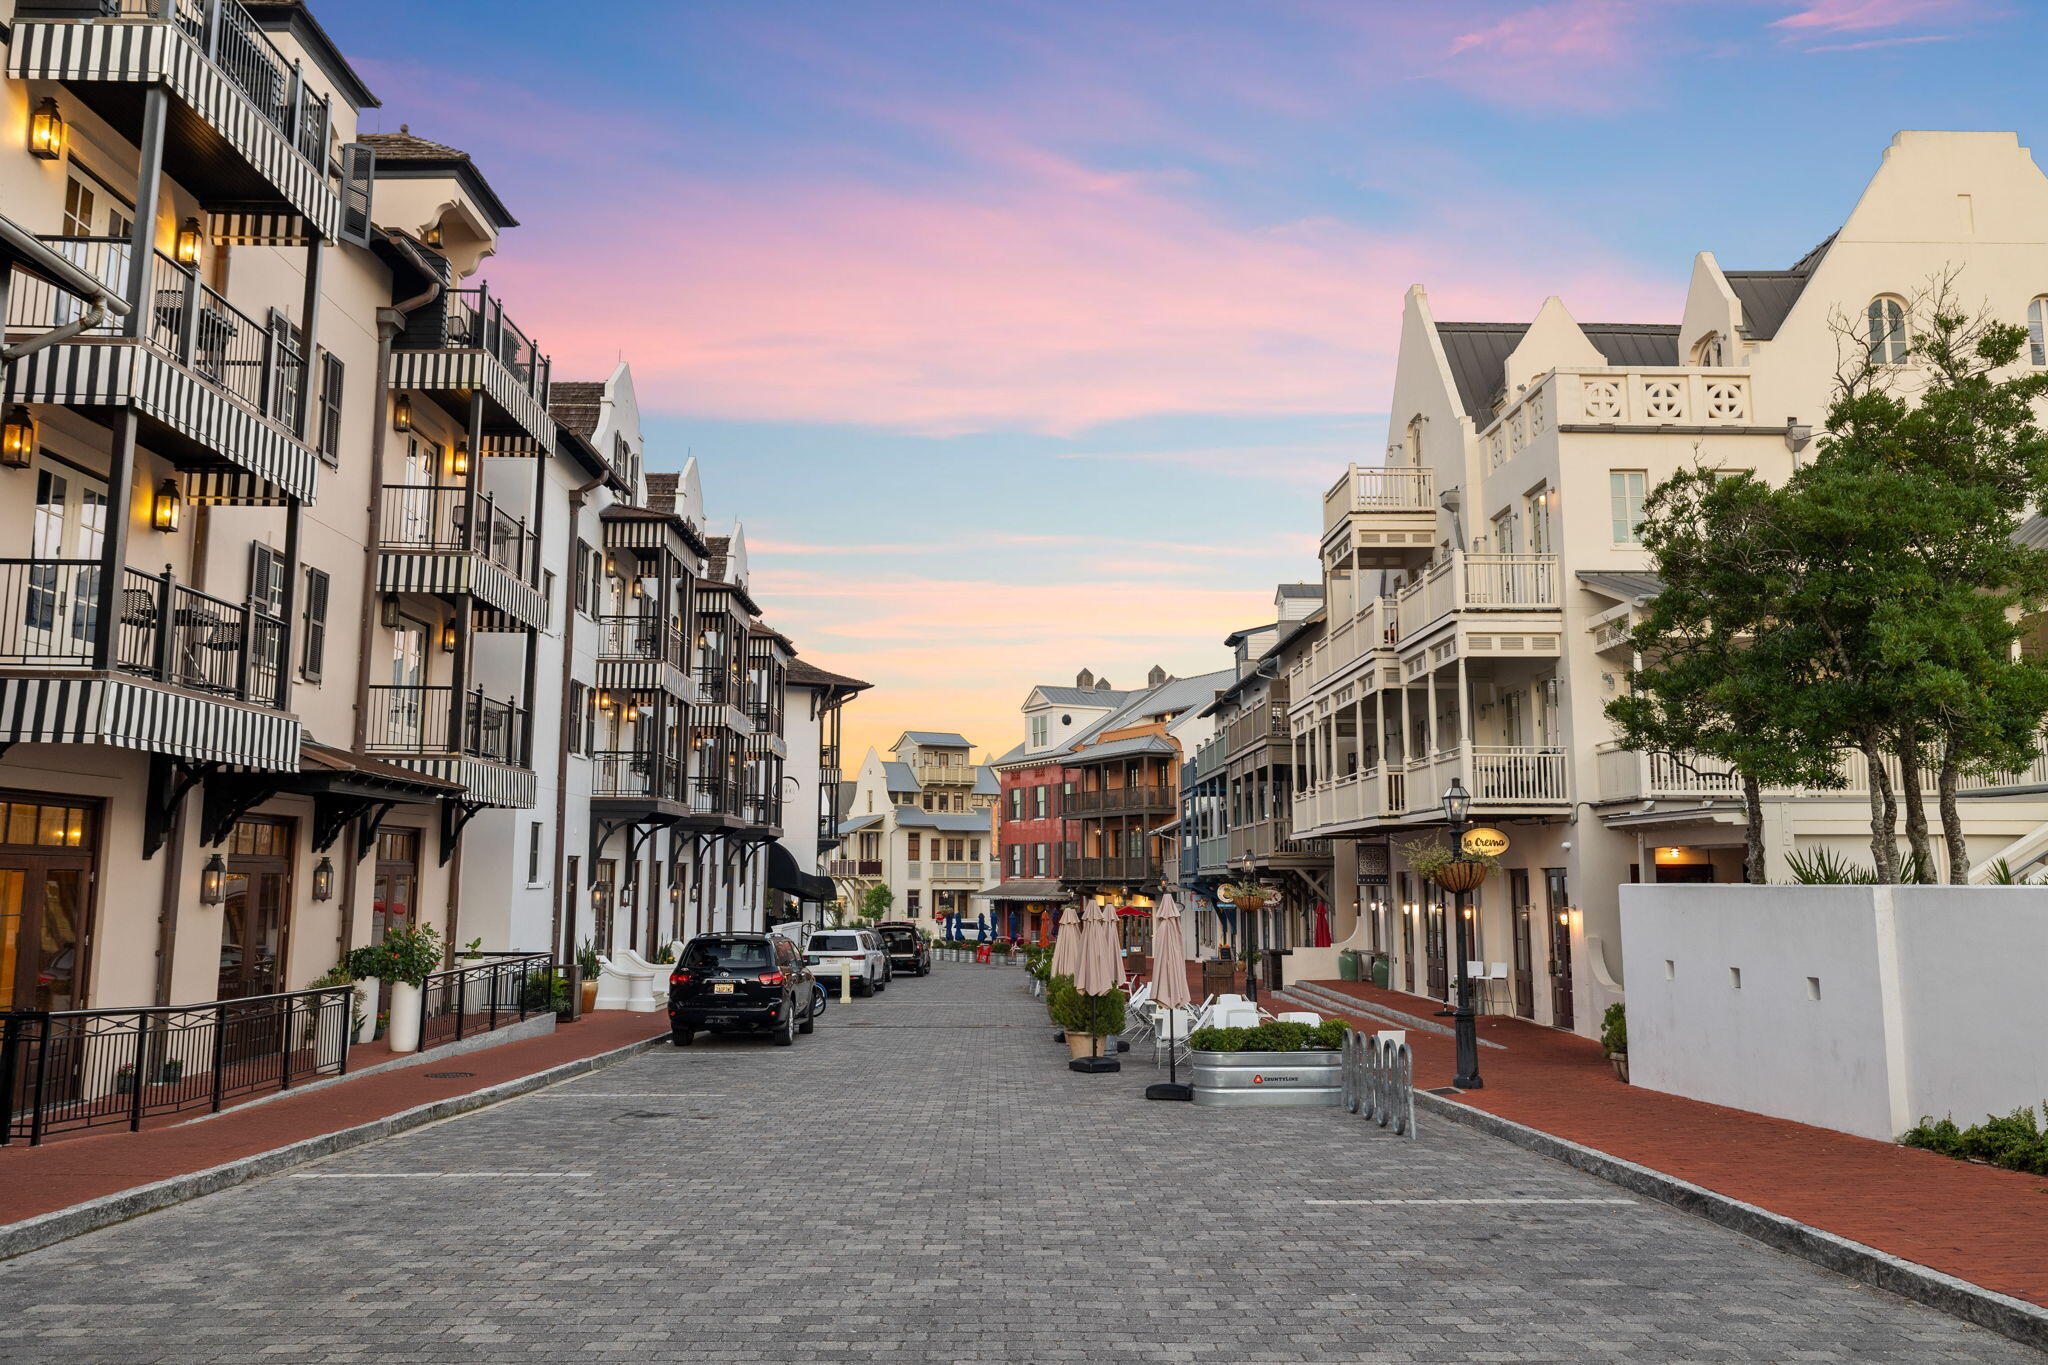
[(1711, 351), (1885, 329)]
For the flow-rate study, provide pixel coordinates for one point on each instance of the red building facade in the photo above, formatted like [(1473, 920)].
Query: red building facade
[(1031, 837)]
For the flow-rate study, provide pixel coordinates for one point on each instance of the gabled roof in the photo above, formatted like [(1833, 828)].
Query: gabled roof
[(1134, 747), (859, 822), (402, 156), (1478, 354), (1768, 295), (577, 404), (1314, 590), (943, 739), (985, 783), (804, 674), (294, 16), (1080, 696), (898, 777)]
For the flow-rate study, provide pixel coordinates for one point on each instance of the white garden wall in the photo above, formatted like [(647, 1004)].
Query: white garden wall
[(1858, 1008)]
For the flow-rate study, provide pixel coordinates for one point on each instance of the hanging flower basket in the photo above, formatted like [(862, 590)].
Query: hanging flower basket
[(1462, 875)]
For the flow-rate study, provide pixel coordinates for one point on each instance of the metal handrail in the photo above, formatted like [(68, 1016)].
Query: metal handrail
[(484, 991)]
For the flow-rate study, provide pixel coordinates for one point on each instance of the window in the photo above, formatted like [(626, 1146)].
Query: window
[(1016, 860), (1538, 506), (327, 435), (533, 852), (1040, 732), (78, 206), (1415, 440), (313, 652), (2037, 332), (910, 903), (1886, 329), (916, 847), (586, 578), (1626, 489), (1041, 859), (1710, 352), (1041, 799), (1507, 537), (286, 372), (266, 578), (574, 719)]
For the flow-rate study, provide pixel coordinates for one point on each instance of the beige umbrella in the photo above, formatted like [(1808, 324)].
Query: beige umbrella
[(1096, 973), (1169, 990), (1066, 944)]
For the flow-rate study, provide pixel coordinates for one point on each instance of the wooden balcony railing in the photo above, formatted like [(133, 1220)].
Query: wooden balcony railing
[(1478, 582), (1131, 869), (1377, 488), (1119, 800)]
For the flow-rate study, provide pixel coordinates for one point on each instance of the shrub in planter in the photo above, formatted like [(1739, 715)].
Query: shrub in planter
[(547, 991), (1331, 1033), (406, 956), (1614, 1038), (1271, 1037)]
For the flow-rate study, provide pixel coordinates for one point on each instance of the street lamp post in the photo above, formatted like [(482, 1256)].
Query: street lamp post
[(1247, 935), (1457, 807)]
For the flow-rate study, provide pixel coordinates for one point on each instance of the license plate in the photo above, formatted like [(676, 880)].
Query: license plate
[(721, 988)]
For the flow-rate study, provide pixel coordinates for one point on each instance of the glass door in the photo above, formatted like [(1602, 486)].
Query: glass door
[(1525, 971), (1558, 913), (61, 599), (405, 703)]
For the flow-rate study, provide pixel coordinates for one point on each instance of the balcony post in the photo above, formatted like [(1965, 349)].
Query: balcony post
[(212, 29), (294, 520), (166, 629), (114, 542), (309, 337), (295, 104), (149, 178)]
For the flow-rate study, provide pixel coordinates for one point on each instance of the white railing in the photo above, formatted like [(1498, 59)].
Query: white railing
[(1477, 582), (1518, 775), (1656, 397), (957, 872), (1624, 774), (1379, 488)]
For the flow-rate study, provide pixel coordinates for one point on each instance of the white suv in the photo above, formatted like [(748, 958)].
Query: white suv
[(868, 960)]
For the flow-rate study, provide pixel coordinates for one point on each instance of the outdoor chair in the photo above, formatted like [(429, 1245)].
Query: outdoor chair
[(1137, 1015)]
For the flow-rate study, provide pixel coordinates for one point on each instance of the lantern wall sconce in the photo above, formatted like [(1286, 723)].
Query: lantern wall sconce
[(18, 438), (601, 897), (46, 132), (188, 242), (431, 234), (213, 881), (448, 637), (387, 611), (401, 413), (458, 459), (167, 508), (323, 880)]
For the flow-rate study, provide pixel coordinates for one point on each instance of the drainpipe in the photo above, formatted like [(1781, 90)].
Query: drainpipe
[(565, 923), (23, 245)]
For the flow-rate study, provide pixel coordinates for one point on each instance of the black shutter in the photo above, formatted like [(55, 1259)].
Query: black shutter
[(266, 578), (315, 653), (328, 432), (358, 171), (575, 718)]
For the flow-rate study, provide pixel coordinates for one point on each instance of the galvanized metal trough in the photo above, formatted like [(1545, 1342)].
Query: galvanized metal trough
[(1311, 1079)]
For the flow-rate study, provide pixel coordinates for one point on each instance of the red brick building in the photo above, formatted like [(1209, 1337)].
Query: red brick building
[(1031, 843)]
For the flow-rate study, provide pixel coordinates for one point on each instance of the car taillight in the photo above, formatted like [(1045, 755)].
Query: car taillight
[(771, 979), (679, 977)]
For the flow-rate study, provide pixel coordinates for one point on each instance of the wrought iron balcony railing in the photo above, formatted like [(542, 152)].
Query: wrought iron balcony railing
[(415, 718)]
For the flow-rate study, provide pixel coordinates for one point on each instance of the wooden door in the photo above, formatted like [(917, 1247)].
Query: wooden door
[(1557, 906), (1437, 946), (1525, 968)]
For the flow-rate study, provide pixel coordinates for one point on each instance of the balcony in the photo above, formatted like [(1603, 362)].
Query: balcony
[(957, 872), (1262, 724), (1503, 780), (189, 673), (434, 538), (245, 133), (1465, 582), (1268, 841), (1127, 870), (477, 741), (944, 774), (643, 653), (1213, 853), (853, 867), (1626, 775), (637, 775), (1120, 801), (1379, 517), (213, 385), (1345, 642), (468, 346)]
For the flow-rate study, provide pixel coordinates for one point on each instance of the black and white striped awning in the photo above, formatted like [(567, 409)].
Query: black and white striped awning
[(445, 371), (482, 781), (273, 466), (149, 54), (647, 675), (131, 714), (257, 229), (458, 573), (505, 444)]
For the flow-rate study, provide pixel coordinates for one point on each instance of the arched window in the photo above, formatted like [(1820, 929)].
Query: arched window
[(1710, 352), (1887, 330), (2037, 331)]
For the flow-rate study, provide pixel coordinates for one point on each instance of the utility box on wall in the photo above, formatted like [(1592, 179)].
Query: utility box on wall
[(1856, 1008)]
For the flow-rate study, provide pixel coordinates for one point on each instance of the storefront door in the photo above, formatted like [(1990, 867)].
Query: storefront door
[(1557, 905), (1437, 946), (44, 905), (256, 912), (1525, 971)]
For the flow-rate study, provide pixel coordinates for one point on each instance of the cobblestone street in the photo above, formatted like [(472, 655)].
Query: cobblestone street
[(923, 1179)]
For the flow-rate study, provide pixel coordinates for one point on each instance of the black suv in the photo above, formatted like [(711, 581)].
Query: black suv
[(741, 983), (908, 949)]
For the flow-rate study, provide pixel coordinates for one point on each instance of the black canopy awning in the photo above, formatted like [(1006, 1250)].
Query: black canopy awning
[(785, 875)]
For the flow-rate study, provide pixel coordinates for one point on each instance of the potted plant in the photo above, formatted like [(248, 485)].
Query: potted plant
[(586, 959), (403, 961), (337, 975), (1614, 1038), (1087, 1019), (169, 1071), (1276, 1065)]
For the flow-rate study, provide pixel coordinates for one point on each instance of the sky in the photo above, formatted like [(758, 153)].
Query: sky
[(1024, 335)]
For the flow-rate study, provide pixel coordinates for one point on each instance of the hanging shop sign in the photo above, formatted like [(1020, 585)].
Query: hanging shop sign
[(1484, 840)]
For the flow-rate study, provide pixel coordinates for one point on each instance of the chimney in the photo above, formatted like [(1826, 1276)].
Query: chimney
[(1085, 679), (1102, 685), (1156, 678)]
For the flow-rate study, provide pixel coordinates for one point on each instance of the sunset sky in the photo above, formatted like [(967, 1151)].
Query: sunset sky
[(1025, 335)]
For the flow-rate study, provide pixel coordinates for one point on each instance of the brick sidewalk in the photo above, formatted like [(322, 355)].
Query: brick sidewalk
[(1978, 1223), (38, 1180)]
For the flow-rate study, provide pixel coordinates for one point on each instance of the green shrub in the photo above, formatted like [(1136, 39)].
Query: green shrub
[(407, 955), (1332, 1034), (1276, 1036), (547, 991), (1271, 1037), (2017, 1141), (1218, 1039), (1614, 1030)]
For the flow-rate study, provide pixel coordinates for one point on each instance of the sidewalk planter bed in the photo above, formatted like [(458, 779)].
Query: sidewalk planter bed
[(1309, 1079)]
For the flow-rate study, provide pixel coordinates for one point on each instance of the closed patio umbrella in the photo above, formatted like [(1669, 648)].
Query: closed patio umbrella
[(1322, 936), (1169, 989), (1066, 946), (1096, 973)]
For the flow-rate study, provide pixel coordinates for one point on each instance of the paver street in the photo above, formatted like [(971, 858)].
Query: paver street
[(923, 1179)]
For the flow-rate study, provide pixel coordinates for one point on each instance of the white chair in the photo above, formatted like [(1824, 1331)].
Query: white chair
[(1201, 1017), (1498, 994), (1309, 1017)]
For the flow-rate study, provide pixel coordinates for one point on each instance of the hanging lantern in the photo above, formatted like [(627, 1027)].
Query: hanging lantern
[(323, 880), (458, 460), (167, 508), (601, 897), (46, 132), (448, 637), (18, 438), (388, 611), (188, 242), (401, 413), (213, 881)]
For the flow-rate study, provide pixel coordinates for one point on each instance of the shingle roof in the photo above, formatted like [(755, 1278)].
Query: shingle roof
[(1314, 590), (803, 674), (1123, 748), (1478, 353), (404, 146), (577, 404), (937, 738)]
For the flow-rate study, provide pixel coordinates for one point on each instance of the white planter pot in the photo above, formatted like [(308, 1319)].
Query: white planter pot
[(402, 1033)]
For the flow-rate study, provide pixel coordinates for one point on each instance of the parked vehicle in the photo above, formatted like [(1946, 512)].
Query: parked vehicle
[(909, 950), (870, 968), (741, 983)]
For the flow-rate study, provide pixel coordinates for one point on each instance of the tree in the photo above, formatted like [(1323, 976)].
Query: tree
[(1707, 684), (875, 903)]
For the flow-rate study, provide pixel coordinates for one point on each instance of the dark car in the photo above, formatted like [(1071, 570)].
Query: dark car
[(741, 983), (909, 950)]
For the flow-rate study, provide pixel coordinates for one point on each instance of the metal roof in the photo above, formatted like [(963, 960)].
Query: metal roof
[(859, 823), (898, 777), (1080, 696), (1134, 747), (1026, 889), (946, 822), (1623, 586), (1768, 295), (937, 738), (985, 783), (1314, 590), (1478, 353)]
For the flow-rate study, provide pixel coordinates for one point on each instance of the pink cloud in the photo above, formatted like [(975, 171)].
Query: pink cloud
[(1862, 16), (1564, 54)]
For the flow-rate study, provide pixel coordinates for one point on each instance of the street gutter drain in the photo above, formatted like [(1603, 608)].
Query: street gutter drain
[(451, 1075)]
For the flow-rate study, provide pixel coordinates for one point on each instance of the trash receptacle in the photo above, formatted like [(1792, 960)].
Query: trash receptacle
[(1382, 970), (1275, 978), (1347, 965)]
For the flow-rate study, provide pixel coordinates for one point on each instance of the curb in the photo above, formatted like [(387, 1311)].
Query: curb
[(2012, 1318), (33, 1234)]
